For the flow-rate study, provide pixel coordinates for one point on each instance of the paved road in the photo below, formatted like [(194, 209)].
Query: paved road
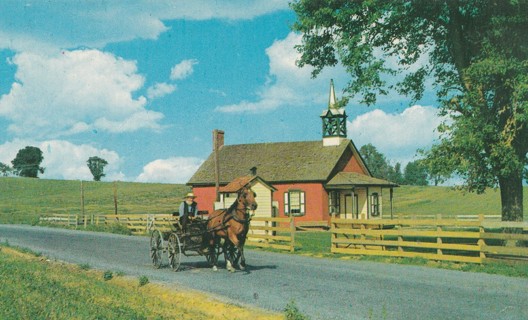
[(321, 288)]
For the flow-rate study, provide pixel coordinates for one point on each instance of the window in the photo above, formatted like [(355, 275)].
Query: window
[(294, 203), (333, 203), (374, 203)]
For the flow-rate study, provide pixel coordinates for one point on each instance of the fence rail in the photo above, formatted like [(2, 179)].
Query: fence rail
[(433, 239), (263, 231)]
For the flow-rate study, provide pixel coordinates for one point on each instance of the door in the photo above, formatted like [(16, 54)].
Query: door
[(349, 207)]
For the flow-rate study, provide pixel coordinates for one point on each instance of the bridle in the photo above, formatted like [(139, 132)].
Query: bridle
[(232, 214)]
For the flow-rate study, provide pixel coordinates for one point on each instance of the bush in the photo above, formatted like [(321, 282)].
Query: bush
[(108, 275), (291, 312), (143, 280)]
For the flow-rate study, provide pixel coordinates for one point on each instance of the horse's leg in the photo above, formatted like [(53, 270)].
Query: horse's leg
[(212, 252), (237, 249), (242, 258), (228, 255)]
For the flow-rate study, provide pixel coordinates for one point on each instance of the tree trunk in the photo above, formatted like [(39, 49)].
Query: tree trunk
[(511, 197)]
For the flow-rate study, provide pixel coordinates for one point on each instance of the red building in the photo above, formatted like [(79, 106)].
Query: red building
[(312, 179)]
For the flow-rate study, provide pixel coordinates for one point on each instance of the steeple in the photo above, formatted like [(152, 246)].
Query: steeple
[(334, 120), (332, 101)]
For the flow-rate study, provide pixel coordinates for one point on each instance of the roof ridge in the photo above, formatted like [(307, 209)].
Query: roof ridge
[(276, 142)]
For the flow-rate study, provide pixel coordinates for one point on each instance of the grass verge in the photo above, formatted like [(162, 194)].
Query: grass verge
[(34, 287)]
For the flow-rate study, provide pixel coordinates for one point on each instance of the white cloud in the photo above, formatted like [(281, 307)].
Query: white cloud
[(97, 23), (73, 92), (397, 135), (183, 69), (172, 170), (65, 160), (288, 85), (159, 90)]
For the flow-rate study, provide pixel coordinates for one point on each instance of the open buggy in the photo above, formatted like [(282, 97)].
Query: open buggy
[(176, 242), (224, 232)]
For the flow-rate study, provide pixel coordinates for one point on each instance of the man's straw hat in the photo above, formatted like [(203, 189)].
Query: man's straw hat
[(190, 195)]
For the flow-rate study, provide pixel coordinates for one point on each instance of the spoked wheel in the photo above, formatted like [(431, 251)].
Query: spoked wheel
[(156, 248), (174, 251), (231, 253), (212, 256)]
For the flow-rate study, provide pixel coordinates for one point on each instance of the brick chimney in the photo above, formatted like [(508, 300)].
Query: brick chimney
[(218, 143), (218, 139)]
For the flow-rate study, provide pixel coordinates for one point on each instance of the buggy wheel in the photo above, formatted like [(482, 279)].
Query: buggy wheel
[(231, 253), (174, 251), (212, 256), (156, 247)]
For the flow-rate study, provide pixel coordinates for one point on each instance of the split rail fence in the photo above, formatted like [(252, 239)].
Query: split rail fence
[(432, 239)]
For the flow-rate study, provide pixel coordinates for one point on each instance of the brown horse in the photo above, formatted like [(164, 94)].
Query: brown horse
[(232, 225)]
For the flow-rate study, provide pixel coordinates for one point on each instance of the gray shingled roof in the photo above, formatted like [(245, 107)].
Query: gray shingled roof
[(353, 179), (275, 162)]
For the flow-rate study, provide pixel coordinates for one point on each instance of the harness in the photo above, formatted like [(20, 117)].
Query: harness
[(228, 215)]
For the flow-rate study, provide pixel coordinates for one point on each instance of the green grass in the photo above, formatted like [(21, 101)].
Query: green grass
[(37, 288), (446, 201), (24, 200), (318, 244)]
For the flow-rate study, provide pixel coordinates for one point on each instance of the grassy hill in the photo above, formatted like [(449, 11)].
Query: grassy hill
[(23, 200), (445, 201)]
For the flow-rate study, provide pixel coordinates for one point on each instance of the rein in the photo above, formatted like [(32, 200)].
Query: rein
[(228, 215)]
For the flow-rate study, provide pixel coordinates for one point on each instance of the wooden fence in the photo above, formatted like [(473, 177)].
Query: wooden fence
[(64, 219), (433, 239), (263, 232)]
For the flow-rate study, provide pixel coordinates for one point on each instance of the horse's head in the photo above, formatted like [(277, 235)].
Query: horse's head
[(246, 197)]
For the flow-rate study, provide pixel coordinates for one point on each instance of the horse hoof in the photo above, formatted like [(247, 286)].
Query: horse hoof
[(231, 269), (215, 268)]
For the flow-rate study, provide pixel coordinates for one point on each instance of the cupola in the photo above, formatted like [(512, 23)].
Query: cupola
[(334, 121)]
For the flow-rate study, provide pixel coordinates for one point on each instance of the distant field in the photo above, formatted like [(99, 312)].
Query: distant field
[(445, 201), (23, 200)]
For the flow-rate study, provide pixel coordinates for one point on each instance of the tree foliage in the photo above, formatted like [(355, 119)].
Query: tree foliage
[(5, 170), (27, 162), (416, 173), (96, 166), (475, 53), (375, 161)]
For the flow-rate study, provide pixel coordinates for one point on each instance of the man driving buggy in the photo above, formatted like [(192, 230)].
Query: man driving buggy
[(188, 208)]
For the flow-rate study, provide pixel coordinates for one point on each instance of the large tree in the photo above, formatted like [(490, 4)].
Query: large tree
[(27, 162), (415, 173), (375, 161), (96, 166), (473, 51)]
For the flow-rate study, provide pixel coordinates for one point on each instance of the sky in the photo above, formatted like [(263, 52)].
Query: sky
[(142, 84)]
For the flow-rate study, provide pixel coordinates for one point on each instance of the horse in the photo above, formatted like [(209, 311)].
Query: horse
[(232, 225)]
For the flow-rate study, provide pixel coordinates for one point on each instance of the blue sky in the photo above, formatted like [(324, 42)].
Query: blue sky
[(143, 84)]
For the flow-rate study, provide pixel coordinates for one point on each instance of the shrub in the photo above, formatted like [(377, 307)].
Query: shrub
[(291, 312), (108, 275), (143, 280)]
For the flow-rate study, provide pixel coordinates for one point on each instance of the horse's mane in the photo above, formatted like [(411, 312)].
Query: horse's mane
[(235, 203), (233, 206)]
